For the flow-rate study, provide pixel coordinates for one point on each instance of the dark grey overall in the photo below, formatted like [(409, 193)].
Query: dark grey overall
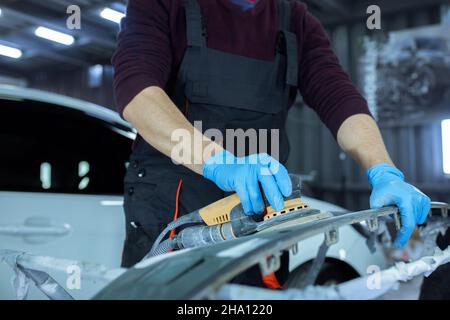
[(224, 91)]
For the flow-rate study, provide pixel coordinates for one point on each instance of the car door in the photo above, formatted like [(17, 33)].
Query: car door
[(61, 173)]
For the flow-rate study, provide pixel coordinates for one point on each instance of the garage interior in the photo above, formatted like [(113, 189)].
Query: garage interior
[(83, 71), (379, 62)]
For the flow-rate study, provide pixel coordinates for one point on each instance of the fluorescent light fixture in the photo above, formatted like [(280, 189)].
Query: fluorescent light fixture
[(112, 15), (10, 52), (0, 12), (446, 145), (54, 35)]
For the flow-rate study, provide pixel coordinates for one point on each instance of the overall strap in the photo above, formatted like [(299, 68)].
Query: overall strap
[(288, 41), (194, 25), (196, 41)]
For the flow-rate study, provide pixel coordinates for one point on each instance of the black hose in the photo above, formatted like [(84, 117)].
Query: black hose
[(162, 248), (190, 218)]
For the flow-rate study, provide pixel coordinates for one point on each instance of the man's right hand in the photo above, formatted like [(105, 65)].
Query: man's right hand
[(243, 175)]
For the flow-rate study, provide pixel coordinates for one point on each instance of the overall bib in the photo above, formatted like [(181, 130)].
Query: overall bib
[(223, 91)]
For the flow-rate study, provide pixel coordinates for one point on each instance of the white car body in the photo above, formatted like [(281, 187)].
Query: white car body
[(90, 227)]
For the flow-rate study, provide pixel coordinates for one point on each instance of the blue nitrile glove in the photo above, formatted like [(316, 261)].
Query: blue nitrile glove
[(389, 188), (242, 175)]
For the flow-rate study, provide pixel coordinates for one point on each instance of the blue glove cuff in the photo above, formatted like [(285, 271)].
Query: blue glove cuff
[(381, 170), (222, 157)]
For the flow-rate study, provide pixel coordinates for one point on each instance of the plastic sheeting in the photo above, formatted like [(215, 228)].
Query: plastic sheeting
[(19, 281), (363, 288), (31, 269)]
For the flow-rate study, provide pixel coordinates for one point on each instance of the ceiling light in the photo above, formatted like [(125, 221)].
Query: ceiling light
[(10, 52), (54, 35), (112, 15)]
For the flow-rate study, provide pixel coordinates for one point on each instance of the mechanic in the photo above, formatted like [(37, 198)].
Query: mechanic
[(234, 64)]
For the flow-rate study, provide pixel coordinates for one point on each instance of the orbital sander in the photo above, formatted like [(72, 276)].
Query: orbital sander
[(225, 220)]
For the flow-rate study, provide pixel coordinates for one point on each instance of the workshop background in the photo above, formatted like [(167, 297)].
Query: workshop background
[(401, 69)]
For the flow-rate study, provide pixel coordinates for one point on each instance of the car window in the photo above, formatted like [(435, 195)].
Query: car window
[(49, 148)]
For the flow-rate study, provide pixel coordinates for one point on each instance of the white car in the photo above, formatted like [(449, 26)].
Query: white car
[(61, 173)]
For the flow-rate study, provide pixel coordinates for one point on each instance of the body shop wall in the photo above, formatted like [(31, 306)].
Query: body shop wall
[(416, 148)]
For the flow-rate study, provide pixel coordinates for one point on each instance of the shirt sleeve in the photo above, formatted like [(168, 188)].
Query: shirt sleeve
[(324, 85), (143, 55)]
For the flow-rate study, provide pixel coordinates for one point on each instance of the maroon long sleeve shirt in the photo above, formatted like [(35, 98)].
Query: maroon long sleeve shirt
[(152, 44)]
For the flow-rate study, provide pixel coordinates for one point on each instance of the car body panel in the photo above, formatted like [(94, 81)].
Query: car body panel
[(84, 225), (351, 248), (198, 273), (95, 232)]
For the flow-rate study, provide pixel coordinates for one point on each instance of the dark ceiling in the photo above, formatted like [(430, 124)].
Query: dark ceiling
[(95, 42)]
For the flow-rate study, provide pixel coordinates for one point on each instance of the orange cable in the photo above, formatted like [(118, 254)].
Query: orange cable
[(177, 198)]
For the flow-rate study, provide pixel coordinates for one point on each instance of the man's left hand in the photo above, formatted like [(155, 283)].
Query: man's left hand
[(390, 188)]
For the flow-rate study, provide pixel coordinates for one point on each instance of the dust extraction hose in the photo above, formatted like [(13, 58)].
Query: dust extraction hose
[(162, 248), (191, 218)]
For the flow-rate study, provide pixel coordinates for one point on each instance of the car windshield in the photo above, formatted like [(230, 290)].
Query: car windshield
[(431, 44)]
